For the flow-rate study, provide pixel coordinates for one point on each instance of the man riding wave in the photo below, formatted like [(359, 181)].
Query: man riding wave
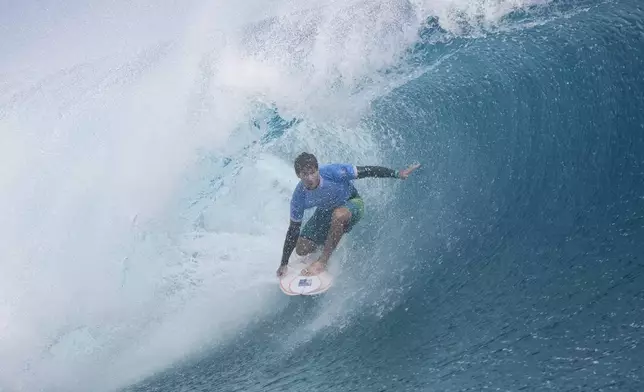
[(329, 188)]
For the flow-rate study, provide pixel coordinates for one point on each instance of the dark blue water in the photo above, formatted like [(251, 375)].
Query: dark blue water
[(514, 260)]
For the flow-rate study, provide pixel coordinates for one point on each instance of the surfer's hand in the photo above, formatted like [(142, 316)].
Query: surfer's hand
[(403, 174), (281, 271)]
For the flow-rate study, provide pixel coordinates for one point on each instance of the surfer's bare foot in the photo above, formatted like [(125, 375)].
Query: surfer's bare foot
[(314, 269)]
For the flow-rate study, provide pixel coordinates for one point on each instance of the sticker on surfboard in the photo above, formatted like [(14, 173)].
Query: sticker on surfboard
[(295, 284)]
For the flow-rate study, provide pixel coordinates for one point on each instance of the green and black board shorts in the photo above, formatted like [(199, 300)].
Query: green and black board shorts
[(317, 228)]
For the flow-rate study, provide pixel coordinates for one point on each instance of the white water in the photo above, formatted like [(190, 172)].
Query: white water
[(118, 255)]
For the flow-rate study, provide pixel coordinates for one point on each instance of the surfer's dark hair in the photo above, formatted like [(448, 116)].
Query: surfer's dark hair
[(305, 160)]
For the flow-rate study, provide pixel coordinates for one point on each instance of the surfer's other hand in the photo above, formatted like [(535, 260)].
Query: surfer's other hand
[(281, 271)]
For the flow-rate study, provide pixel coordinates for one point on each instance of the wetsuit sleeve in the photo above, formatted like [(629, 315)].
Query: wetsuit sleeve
[(290, 241), (293, 233), (376, 171)]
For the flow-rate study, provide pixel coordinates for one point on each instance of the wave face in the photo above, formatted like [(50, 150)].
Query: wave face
[(147, 170)]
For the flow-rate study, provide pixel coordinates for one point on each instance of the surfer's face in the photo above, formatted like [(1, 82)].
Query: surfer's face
[(310, 177)]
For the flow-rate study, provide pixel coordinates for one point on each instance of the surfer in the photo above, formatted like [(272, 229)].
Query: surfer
[(339, 207)]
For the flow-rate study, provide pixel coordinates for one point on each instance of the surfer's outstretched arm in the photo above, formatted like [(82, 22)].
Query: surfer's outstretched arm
[(376, 171), (384, 172)]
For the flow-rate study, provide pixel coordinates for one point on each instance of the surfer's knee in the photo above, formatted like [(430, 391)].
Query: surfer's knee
[(304, 247), (341, 215)]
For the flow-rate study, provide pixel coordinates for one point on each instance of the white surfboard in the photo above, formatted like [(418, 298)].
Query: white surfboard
[(295, 284)]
